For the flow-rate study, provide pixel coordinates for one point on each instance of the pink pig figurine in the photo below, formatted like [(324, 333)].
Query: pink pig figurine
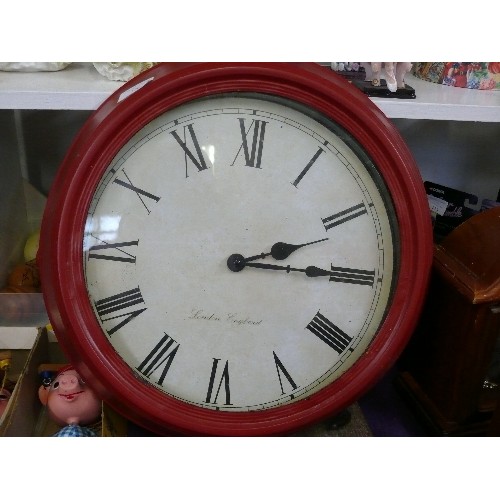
[(71, 403)]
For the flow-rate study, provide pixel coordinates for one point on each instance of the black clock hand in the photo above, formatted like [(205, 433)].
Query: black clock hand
[(281, 251), (310, 271)]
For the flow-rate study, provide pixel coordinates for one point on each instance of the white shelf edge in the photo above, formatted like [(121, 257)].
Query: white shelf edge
[(440, 102), (76, 101), (81, 87), (77, 87), (17, 337)]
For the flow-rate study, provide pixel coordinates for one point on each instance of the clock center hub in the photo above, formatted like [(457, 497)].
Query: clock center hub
[(236, 262)]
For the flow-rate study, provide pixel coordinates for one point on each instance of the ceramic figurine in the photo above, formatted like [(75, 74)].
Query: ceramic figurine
[(121, 71), (394, 74), (345, 66), (71, 403), (402, 69)]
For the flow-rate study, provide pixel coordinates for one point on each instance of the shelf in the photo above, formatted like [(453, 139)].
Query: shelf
[(18, 337), (81, 87), (441, 102), (78, 87)]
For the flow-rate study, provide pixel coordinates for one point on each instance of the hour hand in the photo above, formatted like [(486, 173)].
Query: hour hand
[(281, 251)]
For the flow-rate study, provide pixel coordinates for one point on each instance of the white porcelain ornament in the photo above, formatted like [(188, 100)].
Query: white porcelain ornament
[(121, 71)]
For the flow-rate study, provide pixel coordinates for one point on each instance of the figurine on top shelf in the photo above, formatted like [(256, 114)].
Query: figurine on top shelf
[(392, 85), (70, 403), (394, 74), (122, 71), (349, 70)]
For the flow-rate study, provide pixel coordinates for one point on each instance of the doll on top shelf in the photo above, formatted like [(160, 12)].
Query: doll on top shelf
[(386, 80)]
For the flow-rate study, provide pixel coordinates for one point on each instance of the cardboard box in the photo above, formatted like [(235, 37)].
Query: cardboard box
[(15, 344), (25, 415)]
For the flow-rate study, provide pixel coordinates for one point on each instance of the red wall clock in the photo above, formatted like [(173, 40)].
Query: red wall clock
[(235, 248)]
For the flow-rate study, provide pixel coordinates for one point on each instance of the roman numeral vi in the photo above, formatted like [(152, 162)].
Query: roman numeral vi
[(223, 379)]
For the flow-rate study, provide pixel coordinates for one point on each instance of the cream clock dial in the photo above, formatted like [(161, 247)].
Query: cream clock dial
[(240, 252)]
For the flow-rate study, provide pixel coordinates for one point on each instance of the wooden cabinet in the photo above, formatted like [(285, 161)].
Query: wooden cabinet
[(447, 367)]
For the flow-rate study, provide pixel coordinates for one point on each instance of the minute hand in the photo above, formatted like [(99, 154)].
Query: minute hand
[(310, 271)]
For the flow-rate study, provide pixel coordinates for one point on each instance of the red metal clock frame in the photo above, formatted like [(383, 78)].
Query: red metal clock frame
[(127, 111)]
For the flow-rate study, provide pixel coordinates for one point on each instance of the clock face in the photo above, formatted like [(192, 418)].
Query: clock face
[(228, 177), (235, 249)]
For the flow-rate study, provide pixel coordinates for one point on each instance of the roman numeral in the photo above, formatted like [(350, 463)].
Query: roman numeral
[(141, 193), (119, 256), (329, 333), (281, 370), (158, 356), (121, 302), (307, 167), (355, 276), (197, 156), (253, 155), (224, 378), (344, 216)]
